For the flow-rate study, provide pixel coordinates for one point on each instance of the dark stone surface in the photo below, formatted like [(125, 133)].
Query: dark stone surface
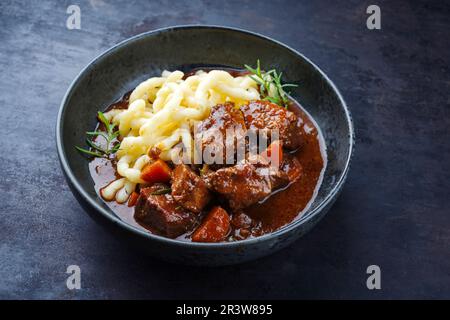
[(393, 211)]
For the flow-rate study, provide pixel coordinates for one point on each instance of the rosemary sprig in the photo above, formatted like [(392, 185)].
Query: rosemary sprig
[(109, 135), (161, 191), (204, 169), (270, 85)]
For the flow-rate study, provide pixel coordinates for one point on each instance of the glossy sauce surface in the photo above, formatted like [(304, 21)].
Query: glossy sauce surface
[(280, 208), (289, 203)]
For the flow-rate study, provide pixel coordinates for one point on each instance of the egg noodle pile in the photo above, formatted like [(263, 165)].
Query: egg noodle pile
[(162, 112)]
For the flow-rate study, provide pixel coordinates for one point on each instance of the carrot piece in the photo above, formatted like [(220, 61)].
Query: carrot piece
[(274, 152), (157, 171), (133, 199), (214, 227)]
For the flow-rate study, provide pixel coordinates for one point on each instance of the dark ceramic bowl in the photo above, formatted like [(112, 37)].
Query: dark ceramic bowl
[(125, 65)]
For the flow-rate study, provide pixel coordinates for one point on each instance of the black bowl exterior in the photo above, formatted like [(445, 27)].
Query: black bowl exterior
[(121, 68)]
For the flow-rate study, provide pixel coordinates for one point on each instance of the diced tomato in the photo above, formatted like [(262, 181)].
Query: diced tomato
[(274, 152), (214, 227), (157, 171), (133, 199)]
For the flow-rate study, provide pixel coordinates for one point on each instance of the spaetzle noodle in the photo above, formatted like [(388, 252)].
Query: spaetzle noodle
[(161, 113)]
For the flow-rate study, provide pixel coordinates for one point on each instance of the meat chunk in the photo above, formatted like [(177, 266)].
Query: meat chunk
[(242, 225), (264, 115), (161, 212), (241, 220), (253, 179), (214, 228), (242, 184), (188, 189), (289, 172), (220, 132), (291, 167)]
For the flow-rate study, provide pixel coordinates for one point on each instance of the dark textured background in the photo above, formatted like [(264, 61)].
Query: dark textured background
[(393, 211)]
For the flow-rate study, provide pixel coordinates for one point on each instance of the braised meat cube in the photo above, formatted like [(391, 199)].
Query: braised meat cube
[(242, 225), (160, 211), (220, 132), (291, 167), (214, 228), (188, 189), (290, 171), (242, 185), (264, 115), (253, 179)]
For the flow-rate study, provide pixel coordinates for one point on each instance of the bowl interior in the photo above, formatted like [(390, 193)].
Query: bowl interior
[(120, 69)]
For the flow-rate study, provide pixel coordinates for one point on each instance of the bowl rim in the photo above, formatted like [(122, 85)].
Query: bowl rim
[(329, 198)]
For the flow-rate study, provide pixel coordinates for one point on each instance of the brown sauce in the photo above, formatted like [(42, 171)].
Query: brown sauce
[(279, 209), (286, 205)]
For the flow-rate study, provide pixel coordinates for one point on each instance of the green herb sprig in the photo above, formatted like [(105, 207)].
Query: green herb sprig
[(270, 85), (109, 135), (161, 191)]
